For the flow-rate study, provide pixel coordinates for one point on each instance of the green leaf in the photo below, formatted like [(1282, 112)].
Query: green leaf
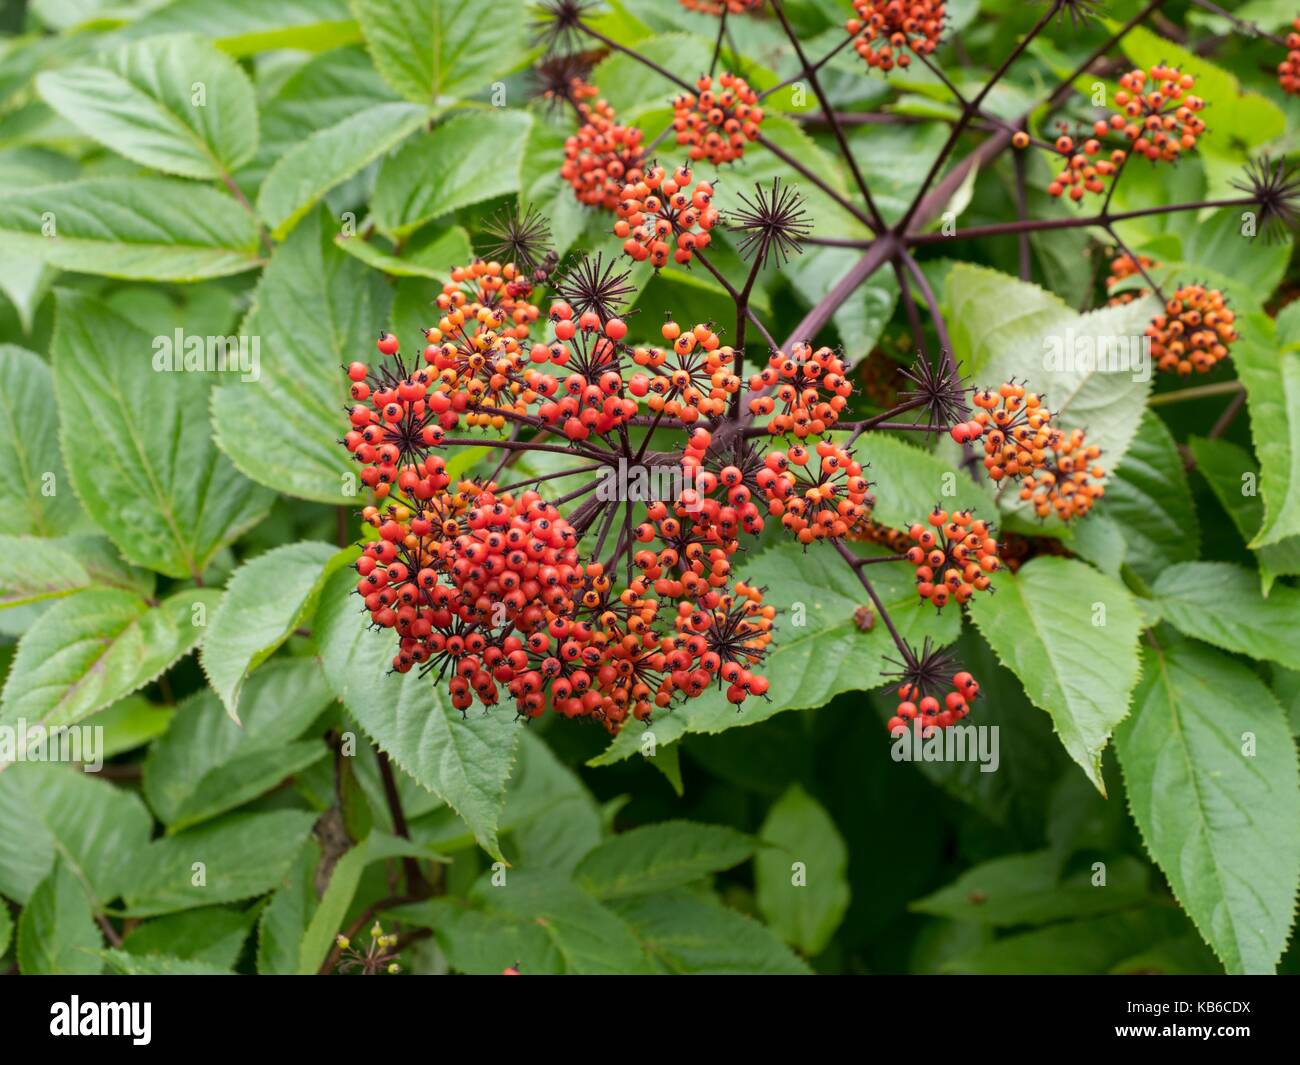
[(433, 257), (552, 818), (1215, 251), (437, 51), (909, 482), (56, 930), (32, 570), (211, 936), (266, 599), (818, 649), (1210, 770), (316, 310), (465, 759), (802, 874), (236, 857), (1148, 498), (122, 963), (130, 723), (207, 764), (1070, 635), (1233, 476), (26, 282), (1073, 948), (1088, 367), (330, 914), (140, 228), (588, 937), (88, 651), (1033, 889), (895, 161), (142, 103), (692, 934), (329, 157), (1270, 370), (661, 856), (465, 160), (246, 27), (344, 881), (284, 918), (34, 491), (6, 927), (98, 830), (322, 92), (1221, 603), (154, 481)]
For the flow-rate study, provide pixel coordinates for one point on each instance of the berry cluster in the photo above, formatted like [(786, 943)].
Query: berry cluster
[(1194, 332), (485, 585), (718, 7), (692, 378), (501, 291), (1068, 482), (1081, 171), (816, 502), (887, 29), (1122, 267), (810, 386), (716, 124), (1156, 117), (1158, 114), (602, 156), (1057, 470), (918, 709), (591, 397), (1016, 428), (953, 556), (1288, 71), (658, 214)]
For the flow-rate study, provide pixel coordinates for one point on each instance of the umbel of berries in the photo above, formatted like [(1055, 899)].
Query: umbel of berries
[(1156, 116), (928, 712), (662, 215), (954, 556), (1195, 331), (886, 31), (719, 119), (1288, 71), (934, 692), (498, 592)]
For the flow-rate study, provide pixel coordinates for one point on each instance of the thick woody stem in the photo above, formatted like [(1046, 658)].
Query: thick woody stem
[(1036, 225), (970, 110)]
